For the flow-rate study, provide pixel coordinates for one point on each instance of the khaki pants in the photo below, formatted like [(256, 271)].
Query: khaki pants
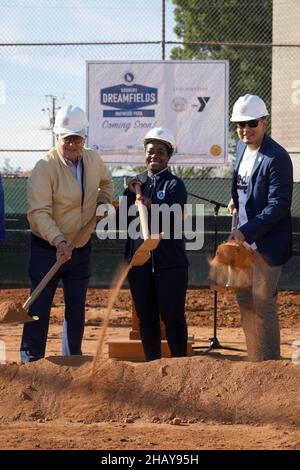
[(259, 314)]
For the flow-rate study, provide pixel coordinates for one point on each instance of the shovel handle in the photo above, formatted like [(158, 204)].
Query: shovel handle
[(234, 220), (142, 212), (47, 278)]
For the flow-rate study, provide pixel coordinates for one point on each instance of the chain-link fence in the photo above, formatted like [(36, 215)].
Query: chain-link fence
[(44, 47)]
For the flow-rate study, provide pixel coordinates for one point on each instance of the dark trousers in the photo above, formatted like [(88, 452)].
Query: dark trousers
[(75, 275), (161, 293)]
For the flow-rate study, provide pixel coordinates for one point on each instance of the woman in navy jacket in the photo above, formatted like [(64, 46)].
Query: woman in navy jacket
[(159, 287)]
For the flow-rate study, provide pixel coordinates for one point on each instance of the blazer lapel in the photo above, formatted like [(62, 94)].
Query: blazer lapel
[(257, 163)]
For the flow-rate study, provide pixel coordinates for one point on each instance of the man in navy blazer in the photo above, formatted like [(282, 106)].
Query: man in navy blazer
[(262, 195)]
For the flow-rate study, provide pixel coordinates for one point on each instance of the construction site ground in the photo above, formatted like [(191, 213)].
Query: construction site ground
[(213, 401)]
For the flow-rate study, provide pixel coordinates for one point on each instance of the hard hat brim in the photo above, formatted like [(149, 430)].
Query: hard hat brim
[(64, 131), (248, 118), (146, 141), (168, 144), (69, 133)]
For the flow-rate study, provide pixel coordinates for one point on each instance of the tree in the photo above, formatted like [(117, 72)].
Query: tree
[(8, 169), (239, 21)]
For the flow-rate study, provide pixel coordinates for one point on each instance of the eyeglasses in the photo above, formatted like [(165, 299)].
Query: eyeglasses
[(253, 123), (73, 139)]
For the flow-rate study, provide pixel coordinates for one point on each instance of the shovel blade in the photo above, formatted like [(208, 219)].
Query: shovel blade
[(139, 258), (143, 253), (13, 312)]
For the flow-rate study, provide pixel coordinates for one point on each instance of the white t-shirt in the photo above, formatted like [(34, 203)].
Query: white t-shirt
[(243, 178)]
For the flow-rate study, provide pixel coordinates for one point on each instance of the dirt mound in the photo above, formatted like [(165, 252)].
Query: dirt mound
[(183, 389)]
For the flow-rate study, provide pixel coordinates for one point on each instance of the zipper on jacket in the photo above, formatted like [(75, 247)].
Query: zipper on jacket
[(152, 261)]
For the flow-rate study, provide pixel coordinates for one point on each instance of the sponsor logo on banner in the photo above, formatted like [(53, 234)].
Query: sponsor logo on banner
[(129, 99), (215, 150), (203, 102), (179, 104)]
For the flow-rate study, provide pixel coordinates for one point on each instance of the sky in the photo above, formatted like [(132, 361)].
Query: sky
[(30, 75)]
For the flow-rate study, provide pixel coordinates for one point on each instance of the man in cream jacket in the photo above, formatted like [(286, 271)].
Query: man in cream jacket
[(64, 189)]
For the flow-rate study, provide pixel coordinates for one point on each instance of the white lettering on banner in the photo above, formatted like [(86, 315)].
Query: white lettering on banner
[(128, 98)]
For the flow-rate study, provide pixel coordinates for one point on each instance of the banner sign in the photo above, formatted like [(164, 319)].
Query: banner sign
[(127, 99)]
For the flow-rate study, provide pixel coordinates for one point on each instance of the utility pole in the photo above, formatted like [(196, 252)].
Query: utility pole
[(163, 30), (52, 109)]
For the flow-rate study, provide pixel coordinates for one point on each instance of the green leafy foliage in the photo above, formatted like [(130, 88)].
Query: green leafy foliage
[(226, 21)]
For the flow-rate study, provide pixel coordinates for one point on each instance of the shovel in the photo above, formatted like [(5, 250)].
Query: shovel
[(232, 264), (140, 257), (234, 224), (11, 312), (143, 253)]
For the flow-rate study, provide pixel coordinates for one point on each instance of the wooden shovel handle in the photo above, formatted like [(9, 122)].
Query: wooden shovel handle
[(234, 220), (142, 212), (82, 233)]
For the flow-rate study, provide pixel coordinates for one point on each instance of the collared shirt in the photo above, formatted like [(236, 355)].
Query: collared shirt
[(76, 170), (152, 181), (157, 175)]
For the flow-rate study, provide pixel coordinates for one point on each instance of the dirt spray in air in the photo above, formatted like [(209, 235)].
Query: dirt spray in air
[(116, 286)]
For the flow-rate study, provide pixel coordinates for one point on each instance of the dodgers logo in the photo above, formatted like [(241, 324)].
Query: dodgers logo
[(160, 195)]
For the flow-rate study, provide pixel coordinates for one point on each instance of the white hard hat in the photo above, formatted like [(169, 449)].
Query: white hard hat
[(70, 120), (248, 107), (163, 134)]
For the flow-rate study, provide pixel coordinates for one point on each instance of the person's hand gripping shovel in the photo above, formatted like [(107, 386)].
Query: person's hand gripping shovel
[(11, 312), (143, 253)]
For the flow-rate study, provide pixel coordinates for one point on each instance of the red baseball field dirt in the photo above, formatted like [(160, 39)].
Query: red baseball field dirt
[(213, 401)]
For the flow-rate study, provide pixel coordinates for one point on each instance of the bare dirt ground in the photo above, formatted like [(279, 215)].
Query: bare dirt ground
[(215, 401)]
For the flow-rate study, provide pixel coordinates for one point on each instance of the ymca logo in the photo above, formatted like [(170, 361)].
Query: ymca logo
[(203, 102)]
